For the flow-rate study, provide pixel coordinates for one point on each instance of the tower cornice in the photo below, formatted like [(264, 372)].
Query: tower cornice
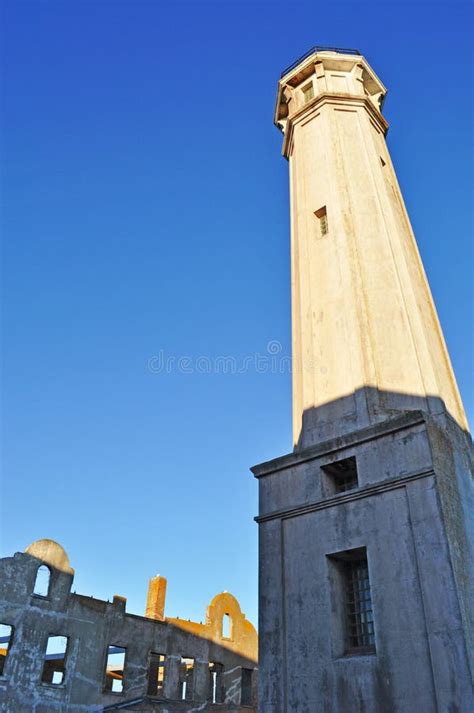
[(334, 99), (327, 76)]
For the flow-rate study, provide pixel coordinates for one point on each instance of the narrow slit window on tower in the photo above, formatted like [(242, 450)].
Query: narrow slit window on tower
[(42, 581), (227, 626), (341, 475), (54, 660), (322, 221), (6, 635), (216, 692), (186, 679), (156, 674), (308, 92), (114, 668)]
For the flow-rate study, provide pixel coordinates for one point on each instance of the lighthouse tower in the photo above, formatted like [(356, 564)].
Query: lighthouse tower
[(365, 562)]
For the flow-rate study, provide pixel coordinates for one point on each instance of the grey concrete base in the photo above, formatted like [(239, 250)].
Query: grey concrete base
[(410, 513)]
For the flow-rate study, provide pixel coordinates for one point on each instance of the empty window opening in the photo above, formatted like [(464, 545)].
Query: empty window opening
[(216, 689), (308, 92), (246, 687), (54, 660), (382, 161), (156, 674), (186, 679), (114, 670), (359, 612), (322, 221), (6, 635), (42, 581), (342, 475), (227, 626)]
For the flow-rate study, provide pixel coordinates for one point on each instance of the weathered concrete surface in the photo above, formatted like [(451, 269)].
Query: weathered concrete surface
[(421, 604), (91, 625)]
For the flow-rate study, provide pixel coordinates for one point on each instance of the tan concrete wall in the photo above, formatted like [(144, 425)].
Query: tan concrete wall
[(362, 312)]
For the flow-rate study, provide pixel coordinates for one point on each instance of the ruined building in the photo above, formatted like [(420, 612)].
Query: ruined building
[(365, 560), (68, 653)]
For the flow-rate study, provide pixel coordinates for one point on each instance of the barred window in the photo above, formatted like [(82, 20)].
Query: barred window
[(324, 224), (360, 620), (321, 216)]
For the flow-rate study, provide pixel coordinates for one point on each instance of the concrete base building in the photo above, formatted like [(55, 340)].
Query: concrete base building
[(366, 527)]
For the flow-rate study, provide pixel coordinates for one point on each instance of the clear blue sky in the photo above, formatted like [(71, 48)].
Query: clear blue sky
[(146, 209)]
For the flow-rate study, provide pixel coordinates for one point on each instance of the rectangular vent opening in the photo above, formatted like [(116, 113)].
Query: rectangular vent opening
[(341, 475), (322, 221)]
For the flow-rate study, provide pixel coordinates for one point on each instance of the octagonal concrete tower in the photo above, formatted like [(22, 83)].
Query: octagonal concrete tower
[(365, 529), (366, 338)]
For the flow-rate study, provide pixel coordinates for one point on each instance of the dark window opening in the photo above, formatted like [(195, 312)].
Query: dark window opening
[(54, 660), (216, 689), (186, 679), (156, 674), (342, 475), (246, 687), (42, 581), (114, 669), (382, 161), (6, 635)]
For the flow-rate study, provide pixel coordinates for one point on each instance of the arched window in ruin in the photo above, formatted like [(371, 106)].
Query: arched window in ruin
[(227, 626), (43, 577)]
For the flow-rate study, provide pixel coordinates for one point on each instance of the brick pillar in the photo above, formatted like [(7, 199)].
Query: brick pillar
[(155, 603)]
